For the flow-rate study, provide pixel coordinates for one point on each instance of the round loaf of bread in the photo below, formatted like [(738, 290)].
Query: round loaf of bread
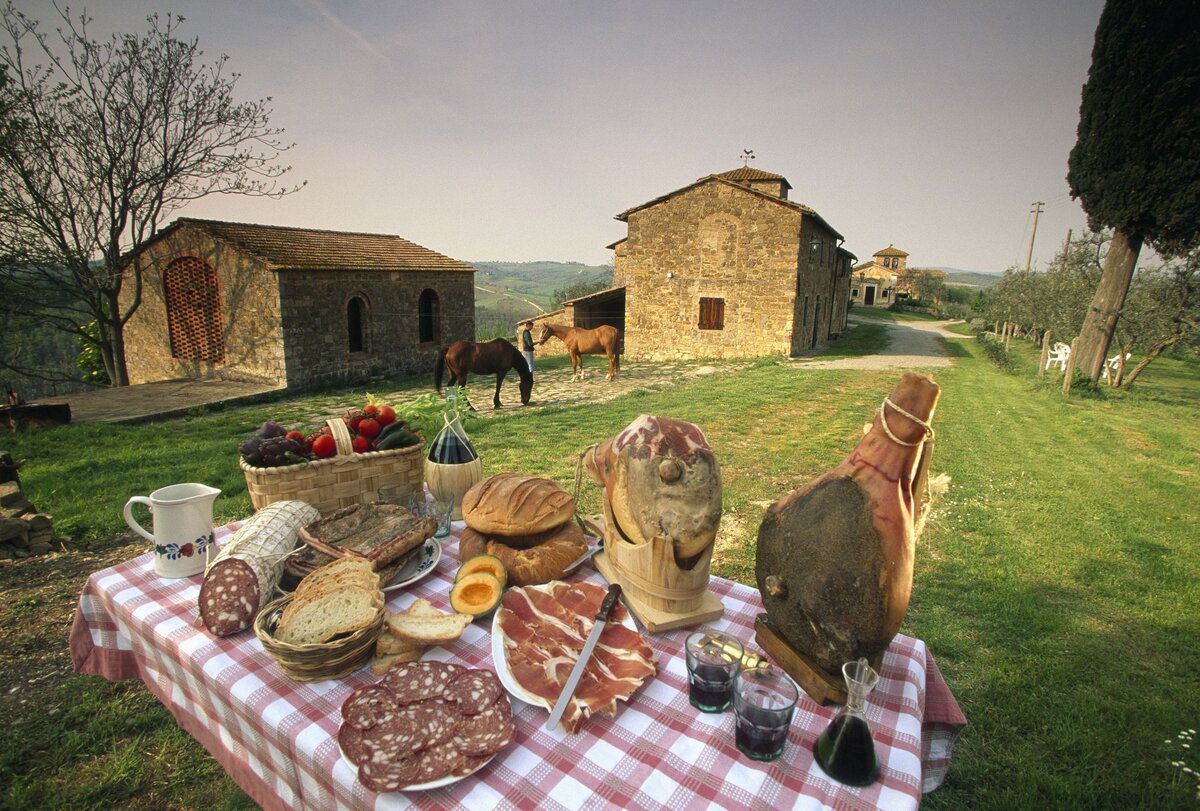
[(514, 504), (533, 566)]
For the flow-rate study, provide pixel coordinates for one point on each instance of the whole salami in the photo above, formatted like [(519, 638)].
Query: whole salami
[(243, 576)]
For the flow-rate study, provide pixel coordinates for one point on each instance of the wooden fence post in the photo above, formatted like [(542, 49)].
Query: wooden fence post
[(1069, 372), (1045, 353), (1008, 338)]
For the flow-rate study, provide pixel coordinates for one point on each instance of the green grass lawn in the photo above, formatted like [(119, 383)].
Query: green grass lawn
[(1056, 583)]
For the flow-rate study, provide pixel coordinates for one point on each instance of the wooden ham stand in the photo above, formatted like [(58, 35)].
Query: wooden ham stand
[(821, 686), (660, 594)]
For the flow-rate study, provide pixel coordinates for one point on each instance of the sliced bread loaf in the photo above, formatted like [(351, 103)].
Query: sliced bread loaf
[(431, 630), (327, 614)]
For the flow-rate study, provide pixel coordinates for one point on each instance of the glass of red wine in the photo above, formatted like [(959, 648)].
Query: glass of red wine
[(713, 659), (764, 699)]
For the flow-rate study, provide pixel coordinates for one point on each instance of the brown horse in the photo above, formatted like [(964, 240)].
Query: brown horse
[(494, 357), (603, 340)]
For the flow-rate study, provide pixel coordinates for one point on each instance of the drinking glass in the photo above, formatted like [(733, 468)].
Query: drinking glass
[(441, 511), (764, 700), (713, 659)]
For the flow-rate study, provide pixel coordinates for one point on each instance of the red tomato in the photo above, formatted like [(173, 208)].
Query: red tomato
[(369, 428), (387, 415), (361, 444), (324, 446), (354, 422), (296, 435), (370, 410)]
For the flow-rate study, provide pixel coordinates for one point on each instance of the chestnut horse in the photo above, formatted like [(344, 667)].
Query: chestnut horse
[(494, 357), (603, 340)]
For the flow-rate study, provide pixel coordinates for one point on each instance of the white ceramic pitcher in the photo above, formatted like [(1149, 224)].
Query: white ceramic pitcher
[(183, 530)]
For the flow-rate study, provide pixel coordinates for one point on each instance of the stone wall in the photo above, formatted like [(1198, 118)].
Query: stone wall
[(316, 329), (716, 241), (249, 308)]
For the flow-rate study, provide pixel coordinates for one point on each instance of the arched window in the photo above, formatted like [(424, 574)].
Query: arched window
[(356, 323), (194, 321), (429, 318)]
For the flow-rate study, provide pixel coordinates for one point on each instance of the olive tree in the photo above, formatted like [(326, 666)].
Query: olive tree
[(1136, 164), (102, 141)]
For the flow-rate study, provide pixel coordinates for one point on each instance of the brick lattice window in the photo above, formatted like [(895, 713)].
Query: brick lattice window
[(194, 311), (712, 313)]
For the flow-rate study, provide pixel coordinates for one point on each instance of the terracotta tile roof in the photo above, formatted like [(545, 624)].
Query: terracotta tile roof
[(286, 248), (890, 251), (746, 173), (624, 215)]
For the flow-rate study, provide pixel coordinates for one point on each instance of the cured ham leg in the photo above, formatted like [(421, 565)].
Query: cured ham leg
[(661, 480), (835, 558)]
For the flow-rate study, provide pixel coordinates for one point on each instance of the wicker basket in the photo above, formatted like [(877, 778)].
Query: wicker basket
[(320, 661), (340, 481)]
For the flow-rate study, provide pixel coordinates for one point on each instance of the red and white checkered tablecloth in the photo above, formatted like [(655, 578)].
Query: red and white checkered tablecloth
[(277, 738)]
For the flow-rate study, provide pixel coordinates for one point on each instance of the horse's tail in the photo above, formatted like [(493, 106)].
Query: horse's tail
[(439, 369)]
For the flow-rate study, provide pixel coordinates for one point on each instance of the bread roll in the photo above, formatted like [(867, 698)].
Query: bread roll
[(529, 567), (513, 504)]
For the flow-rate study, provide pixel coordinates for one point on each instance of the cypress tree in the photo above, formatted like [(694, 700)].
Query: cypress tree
[(1136, 165)]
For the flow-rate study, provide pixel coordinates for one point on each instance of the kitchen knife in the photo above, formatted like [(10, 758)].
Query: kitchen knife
[(564, 698)]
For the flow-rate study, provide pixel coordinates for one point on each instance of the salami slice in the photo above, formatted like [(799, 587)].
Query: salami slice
[(391, 776), (470, 764), (369, 706), (419, 681), (438, 762), (488, 732), (350, 739), (474, 691), (229, 597), (441, 720)]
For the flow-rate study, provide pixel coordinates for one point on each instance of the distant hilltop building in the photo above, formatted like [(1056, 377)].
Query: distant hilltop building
[(885, 279), (724, 267)]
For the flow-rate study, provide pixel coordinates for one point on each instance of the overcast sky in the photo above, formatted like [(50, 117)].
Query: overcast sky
[(516, 131)]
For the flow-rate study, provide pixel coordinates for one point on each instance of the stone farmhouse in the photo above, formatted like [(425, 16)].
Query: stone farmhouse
[(725, 267), (294, 306), (885, 279)]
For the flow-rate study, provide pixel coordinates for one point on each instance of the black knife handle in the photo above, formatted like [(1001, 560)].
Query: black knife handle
[(610, 599)]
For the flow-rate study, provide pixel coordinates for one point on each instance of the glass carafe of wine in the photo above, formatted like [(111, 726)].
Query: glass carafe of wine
[(846, 750)]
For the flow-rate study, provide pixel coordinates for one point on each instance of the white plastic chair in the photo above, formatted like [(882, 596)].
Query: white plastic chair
[(1059, 355), (1114, 363)]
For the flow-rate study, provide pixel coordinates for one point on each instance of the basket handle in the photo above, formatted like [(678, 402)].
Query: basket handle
[(341, 436)]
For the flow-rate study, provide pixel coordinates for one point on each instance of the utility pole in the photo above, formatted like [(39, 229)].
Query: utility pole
[(1067, 244), (1037, 210)]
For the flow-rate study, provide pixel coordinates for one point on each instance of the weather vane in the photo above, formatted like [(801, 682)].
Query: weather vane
[(747, 156)]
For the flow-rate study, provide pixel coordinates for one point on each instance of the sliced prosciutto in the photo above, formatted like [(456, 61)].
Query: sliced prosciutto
[(544, 631)]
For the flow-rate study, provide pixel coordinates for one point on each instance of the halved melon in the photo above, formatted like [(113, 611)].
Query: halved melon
[(483, 563), (476, 593)]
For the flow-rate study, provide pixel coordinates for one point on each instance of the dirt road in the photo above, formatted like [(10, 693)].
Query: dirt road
[(913, 344)]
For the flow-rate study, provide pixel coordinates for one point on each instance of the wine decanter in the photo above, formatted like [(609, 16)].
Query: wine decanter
[(846, 750)]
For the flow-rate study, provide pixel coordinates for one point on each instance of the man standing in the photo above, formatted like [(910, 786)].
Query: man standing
[(527, 344)]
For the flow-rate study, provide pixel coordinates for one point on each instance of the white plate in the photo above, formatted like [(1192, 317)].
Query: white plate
[(432, 784), (419, 566), (500, 658)]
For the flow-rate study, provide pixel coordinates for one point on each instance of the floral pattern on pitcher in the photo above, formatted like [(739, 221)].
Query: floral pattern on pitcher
[(174, 551)]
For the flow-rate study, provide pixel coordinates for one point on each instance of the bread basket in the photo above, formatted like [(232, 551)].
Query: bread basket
[(319, 661), (340, 481)]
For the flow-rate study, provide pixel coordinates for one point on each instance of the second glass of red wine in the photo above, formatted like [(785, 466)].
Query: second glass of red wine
[(713, 659)]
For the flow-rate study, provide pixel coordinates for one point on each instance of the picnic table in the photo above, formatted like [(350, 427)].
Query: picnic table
[(277, 738)]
